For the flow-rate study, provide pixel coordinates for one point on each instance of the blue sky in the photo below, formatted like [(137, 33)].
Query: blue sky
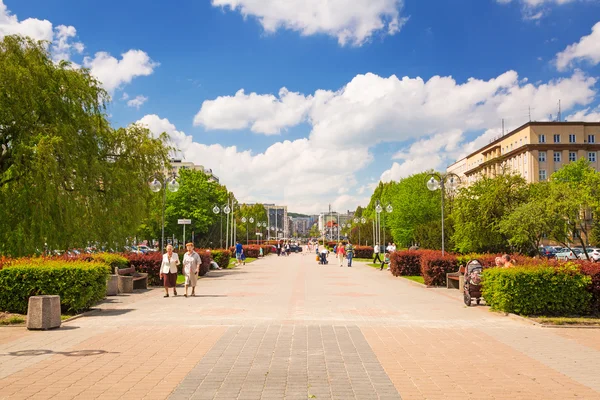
[(374, 89)]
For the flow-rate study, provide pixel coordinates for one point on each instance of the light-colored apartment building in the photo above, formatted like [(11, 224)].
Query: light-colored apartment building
[(535, 151), (177, 165)]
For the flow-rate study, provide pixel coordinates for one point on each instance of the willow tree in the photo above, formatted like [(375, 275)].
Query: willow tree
[(66, 177)]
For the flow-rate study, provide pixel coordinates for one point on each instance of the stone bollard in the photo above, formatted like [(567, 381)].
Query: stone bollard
[(43, 312), (125, 284), (112, 285)]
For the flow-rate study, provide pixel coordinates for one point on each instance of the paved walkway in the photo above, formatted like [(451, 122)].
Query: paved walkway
[(288, 328)]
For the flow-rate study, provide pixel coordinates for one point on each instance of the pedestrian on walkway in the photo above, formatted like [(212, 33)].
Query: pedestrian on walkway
[(191, 268), (349, 253), (239, 250), (340, 250), (168, 270), (376, 252)]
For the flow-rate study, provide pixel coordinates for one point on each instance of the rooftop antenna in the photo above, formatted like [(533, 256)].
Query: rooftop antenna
[(502, 126), (559, 113)]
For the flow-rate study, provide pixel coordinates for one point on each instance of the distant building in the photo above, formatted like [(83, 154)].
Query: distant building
[(177, 165), (535, 150), (278, 223)]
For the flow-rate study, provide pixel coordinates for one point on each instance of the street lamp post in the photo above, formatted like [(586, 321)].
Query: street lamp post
[(389, 210), (173, 186), (251, 220), (378, 210), (441, 181), (246, 226)]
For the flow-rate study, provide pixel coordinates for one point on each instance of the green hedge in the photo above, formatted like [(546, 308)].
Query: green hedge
[(79, 284), (537, 290), (113, 260)]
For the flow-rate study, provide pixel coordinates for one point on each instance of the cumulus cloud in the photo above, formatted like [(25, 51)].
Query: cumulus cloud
[(372, 109), (263, 113), (32, 27), (64, 44), (265, 176), (587, 115), (115, 73), (587, 49), (137, 101), (351, 22)]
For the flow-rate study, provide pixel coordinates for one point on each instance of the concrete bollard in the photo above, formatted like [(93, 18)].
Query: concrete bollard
[(125, 284), (112, 285), (43, 312)]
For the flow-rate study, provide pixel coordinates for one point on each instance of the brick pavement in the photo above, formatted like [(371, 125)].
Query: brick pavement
[(290, 328)]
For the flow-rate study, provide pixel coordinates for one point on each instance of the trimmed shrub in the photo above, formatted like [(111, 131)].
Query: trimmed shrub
[(593, 271), (537, 290), (221, 257), (79, 284), (406, 263), (363, 251), (434, 267), (148, 263), (113, 260)]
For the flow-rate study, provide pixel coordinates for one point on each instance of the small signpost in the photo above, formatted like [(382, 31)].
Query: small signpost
[(184, 222)]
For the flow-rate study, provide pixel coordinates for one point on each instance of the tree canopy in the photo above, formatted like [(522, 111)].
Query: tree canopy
[(67, 178)]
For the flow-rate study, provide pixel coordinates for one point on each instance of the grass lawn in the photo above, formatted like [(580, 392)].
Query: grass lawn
[(12, 319), (369, 262), (588, 321), (418, 279)]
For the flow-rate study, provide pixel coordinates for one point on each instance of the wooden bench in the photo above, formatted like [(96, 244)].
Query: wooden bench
[(129, 279), (456, 280)]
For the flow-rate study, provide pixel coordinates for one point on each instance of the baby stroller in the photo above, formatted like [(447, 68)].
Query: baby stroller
[(473, 282)]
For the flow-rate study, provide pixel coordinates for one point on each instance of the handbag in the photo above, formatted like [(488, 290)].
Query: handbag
[(318, 258)]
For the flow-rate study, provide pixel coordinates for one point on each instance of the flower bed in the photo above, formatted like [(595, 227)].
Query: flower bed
[(79, 284)]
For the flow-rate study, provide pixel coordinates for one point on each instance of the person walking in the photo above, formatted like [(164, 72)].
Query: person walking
[(349, 253), (376, 252), (239, 250), (341, 253), (168, 270), (191, 268)]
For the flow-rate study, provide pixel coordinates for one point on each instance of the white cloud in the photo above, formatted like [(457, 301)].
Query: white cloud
[(297, 173), (262, 113), (351, 22), (587, 115), (372, 109), (32, 27), (115, 73), (111, 72), (534, 10), (137, 102), (587, 49)]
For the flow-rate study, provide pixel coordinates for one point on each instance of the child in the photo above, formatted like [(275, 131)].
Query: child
[(386, 260)]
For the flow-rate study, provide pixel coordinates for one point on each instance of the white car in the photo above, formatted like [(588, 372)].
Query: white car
[(593, 252), (567, 254)]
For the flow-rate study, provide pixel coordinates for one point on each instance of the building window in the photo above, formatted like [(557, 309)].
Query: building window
[(556, 138), (592, 156), (542, 174), (542, 138), (572, 156), (557, 155), (591, 138), (542, 156), (571, 138)]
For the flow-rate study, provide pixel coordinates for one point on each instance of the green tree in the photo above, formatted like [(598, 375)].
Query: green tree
[(66, 177), (574, 199), (479, 208)]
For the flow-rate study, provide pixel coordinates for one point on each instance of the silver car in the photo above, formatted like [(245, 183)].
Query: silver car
[(593, 252)]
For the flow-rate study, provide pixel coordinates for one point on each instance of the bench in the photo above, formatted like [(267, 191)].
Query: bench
[(456, 280), (129, 279)]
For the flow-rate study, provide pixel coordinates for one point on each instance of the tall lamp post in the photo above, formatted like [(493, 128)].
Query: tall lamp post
[(378, 210), (442, 181), (172, 185), (251, 220), (389, 210), (246, 226)]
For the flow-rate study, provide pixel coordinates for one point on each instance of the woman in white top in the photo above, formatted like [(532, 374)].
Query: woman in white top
[(191, 268), (168, 270)]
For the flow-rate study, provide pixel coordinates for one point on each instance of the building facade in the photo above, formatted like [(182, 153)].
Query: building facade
[(177, 165), (277, 222), (535, 151)]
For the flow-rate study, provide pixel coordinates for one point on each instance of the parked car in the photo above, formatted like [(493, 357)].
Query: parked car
[(547, 251), (145, 249), (593, 252), (567, 254), (294, 248)]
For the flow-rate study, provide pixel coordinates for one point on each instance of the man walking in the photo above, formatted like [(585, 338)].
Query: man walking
[(376, 251), (349, 253), (239, 250)]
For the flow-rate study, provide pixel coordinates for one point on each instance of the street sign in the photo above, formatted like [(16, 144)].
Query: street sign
[(184, 221)]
